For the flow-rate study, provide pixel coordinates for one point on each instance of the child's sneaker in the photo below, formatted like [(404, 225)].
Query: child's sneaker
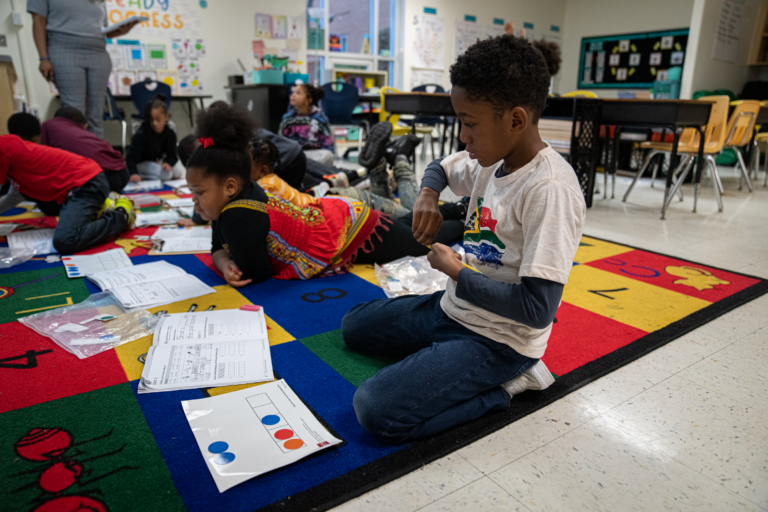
[(536, 377), (375, 144), (108, 206), (126, 206)]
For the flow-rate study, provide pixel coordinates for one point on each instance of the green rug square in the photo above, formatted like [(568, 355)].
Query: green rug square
[(33, 291), (353, 366), (93, 450)]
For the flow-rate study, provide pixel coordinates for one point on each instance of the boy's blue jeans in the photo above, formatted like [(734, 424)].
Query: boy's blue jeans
[(451, 375)]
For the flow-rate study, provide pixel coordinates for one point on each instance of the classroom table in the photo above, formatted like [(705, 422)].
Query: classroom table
[(189, 99), (423, 104), (668, 114)]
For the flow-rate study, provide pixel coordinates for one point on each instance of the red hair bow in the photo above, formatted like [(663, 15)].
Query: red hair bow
[(206, 141)]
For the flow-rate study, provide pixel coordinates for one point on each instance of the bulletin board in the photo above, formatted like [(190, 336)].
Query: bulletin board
[(630, 61)]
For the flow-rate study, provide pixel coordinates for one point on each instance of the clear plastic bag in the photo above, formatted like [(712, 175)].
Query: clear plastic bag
[(97, 324), (10, 257), (411, 275)]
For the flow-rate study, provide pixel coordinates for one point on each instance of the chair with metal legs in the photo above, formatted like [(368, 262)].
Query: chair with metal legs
[(760, 138), (740, 128), (714, 137)]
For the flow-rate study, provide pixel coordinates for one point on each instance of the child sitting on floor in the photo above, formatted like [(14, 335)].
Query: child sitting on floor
[(470, 349), (76, 184), (68, 130), (257, 235), (306, 124), (152, 153)]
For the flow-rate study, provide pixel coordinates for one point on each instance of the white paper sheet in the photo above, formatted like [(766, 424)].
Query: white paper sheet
[(187, 210), (186, 245), (250, 432), (41, 240), (176, 183), (156, 218), (186, 232), (212, 326), (184, 191), (7, 229), (81, 266), (176, 203), (158, 293), (143, 185), (136, 274)]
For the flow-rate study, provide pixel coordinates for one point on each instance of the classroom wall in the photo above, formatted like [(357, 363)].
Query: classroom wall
[(227, 29), (708, 73), (542, 13), (588, 18)]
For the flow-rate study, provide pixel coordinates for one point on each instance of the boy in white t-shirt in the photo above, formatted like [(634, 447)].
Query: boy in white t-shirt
[(469, 349)]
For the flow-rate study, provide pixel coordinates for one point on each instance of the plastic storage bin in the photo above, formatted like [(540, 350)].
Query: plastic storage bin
[(295, 78), (267, 76), (666, 89)]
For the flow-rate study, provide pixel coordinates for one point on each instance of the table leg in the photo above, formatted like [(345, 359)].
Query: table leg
[(672, 158), (614, 163), (699, 168), (190, 106)]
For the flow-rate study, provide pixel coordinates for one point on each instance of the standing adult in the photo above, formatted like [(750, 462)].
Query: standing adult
[(73, 52)]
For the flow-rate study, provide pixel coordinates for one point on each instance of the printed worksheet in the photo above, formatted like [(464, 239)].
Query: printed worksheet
[(222, 325), (82, 266), (205, 365), (40, 240), (164, 291), (187, 210), (156, 218), (136, 274), (176, 183), (176, 203), (197, 245), (253, 431), (143, 185), (187, 232)]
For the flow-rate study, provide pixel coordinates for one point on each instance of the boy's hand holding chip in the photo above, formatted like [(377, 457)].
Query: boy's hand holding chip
[(446, 260)]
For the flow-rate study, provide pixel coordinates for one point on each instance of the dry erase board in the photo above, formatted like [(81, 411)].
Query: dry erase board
[(630, 60)]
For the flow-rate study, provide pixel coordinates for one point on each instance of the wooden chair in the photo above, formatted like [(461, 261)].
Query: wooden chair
[(760, 137), (714, 137), (740, 128)]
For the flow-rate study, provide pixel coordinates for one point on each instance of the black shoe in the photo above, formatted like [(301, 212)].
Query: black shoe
[(405, 145), (375, 144)]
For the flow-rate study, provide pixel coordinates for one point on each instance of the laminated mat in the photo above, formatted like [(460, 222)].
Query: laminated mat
[(75, 435)]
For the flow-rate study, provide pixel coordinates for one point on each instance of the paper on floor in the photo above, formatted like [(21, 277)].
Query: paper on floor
[(143, 185), (81, 266), (136, 274), (250, 432), (158, 293), (40, 240), (156, 218), (207, 349)]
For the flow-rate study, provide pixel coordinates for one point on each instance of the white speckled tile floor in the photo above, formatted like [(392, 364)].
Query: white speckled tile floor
[(683, 428)]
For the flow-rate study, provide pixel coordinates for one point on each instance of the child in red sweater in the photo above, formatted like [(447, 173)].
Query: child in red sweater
[(77, 184)]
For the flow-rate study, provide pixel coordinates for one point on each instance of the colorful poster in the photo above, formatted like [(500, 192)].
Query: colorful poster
[(264, 25), (258, 48), (170, 78), (179, 49), (428, 36), (135, 56), (116, 55), (295, 27), (125, 79), (279, 27), (156, 56), (196, 48)]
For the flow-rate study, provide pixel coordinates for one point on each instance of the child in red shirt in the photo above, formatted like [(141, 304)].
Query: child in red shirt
[(51, 175)]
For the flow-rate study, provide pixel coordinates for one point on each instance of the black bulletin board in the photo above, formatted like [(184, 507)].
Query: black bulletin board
[(630, 60)]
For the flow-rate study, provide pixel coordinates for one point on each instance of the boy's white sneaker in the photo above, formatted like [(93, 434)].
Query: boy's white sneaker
[(536, 377)]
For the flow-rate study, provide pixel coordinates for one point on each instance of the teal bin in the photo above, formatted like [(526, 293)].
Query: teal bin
[(267, 76), (294, 78)]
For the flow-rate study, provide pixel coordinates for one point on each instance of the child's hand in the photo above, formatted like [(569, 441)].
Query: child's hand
[(234, 275), (135, 178), (427, 218), (185, 223), (446, 260), (166, 167)]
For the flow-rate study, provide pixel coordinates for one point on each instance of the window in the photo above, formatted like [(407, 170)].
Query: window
[(359, 33)]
